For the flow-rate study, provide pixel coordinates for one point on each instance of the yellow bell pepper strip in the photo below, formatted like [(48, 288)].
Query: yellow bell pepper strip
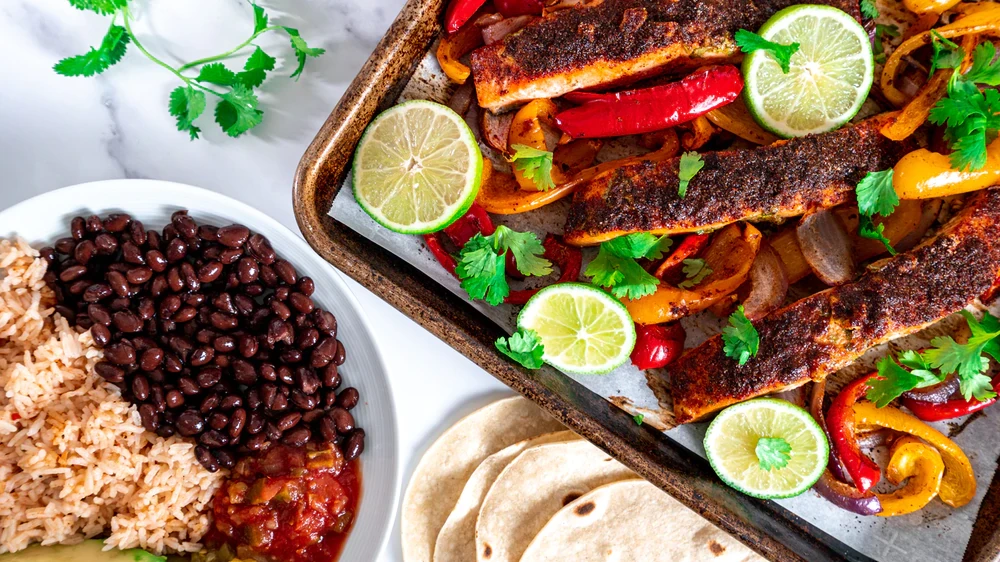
[(729, 256), (919, 108), (528, 129), (500, 193), (923, 174), (571, 158), (930, 6), (736, 119), (920, 465), (455, 46), (958, 486), (986, 20), (697, 133)]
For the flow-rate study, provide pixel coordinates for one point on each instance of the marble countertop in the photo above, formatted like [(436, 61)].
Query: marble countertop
[(59, 131)]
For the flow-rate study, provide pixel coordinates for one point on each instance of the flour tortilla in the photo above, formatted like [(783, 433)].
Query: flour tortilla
[(439, 478), (457, 540), (533, 488), (632, 520)]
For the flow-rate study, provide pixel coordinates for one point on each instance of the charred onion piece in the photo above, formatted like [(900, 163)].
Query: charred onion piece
[(497, 31), (935, 394), (929, 211), (496, 128), (461, 99), (768, 284), (826, 247)]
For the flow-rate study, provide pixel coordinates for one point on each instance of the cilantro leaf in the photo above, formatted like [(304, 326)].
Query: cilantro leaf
[(893, 380), (535, 164), (96, 61), (947, 54), (869, 9), (186, 104), (750, 42), (616, 269), (237, 111), (302, 50), (967, 360), (103, 7), (868, 229), (259, 18), (984, 69), (988, 324), (695, 270), (482, 262), (876, 194), (741, 339), (883, 32), (256, 68), (523, 346), (690, 164), (640, 245), (638, 419), (773, 452), (216, 73)]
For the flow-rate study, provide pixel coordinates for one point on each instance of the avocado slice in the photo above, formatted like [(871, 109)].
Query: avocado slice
[(87, 551)]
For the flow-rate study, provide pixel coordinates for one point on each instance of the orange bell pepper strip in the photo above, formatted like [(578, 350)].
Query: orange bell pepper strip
[(985, 20), (923, 174), (529, 129), (736, 119), (455, 46), (730, 256), (921, 466), (930, 6), (500, 193), (958, 486)]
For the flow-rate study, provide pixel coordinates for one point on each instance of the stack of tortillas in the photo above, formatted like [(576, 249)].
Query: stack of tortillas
[(508, 483)]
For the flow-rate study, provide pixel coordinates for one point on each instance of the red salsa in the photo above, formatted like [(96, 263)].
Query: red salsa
[(290, 504)]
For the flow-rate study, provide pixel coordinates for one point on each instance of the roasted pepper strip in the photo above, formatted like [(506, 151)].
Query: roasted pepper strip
[(730, 256), (736, 119), (500, 193), (528, 129), (930, 6), (455, 46), (459, 12), (691, 246), (447, 261), (567, 258), (657, 345), (474, 221), (958, 486), (949, 409), (923, 174), (840, 423), (921, 466), (651, 109)]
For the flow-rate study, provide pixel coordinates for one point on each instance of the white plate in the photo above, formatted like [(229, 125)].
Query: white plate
[(44, 219)]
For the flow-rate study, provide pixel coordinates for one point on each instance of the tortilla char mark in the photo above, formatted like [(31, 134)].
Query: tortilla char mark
[(824, 333), (609, 42), (785, 179)]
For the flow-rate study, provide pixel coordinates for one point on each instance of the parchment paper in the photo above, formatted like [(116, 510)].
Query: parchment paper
[(937, 533)]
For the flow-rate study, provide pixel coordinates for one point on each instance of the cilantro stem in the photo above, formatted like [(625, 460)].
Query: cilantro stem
[(230, 52), (138, 45)]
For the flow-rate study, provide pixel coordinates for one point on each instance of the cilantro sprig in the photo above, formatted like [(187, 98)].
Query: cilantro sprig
[(482, 263), (876, 196), (883, 33), (869, 9), (741, 339), (615, 267), (690, 164), (971, 116), (534, 164), (237, 109), (773, 453), (524, 347), (695, 271), (945, 357), (749, 42)]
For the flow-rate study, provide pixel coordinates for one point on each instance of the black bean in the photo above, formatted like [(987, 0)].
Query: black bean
[(279, 331), (77, 227), (233, 236), (230, 257), (291, 356), (94, 224), (72, 273), (188, 386), (236, 422), (101, 335), (209, 272), (201, 356), (209, 403), (206, 459), (253, 399), (312, 415), (139, 275), (343, 419), (301, 302), (230, 402), (272, 432), (329, 398), (110, 372), (341, 354), (223, 322), (280, 403), (348, 398), (166, 431), (225, 458), (127, 322), (268, 276), (306, 286), (281, 310), (156, 396), (213, 439), (120, 354), (268, 392), (288, 421), (176, 250), (324, 352), (326, 323), (174, 279), (355, 444), (107, 245), (328, 428), (190, 277), (208, 233), (190, 423), (140, 387), (297, 437), (255, 422), (172, 363), (185, 225), (175, 399), (247, 270), (150, 421), (209, 377), (151, 359), (99, 314), (306, 338), (256, 442), (84, 251), (248, 345), (261, 249), (285, 374), (267, 372), (137, 232), (331, 376), (117, 222), (185, 314), (218, 420), (286, 272), (157, 261)]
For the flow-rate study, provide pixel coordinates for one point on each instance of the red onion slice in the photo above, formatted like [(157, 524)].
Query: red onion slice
[(768, 284), (827, 247), (497, 31), (929, 211), (496, 128), (461, 99), (934, 394)]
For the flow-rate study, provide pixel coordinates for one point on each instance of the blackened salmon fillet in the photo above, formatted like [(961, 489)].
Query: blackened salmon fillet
[(610, 42), (785, 179), (826, 332)]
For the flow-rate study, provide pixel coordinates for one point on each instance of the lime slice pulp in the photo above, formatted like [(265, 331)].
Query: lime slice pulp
[(830, 76), (732, 440), (417, 168), (583, 329)]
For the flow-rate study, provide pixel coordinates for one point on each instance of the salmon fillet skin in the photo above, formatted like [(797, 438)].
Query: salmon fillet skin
[(826, 332), (611, 42), (785, 179)]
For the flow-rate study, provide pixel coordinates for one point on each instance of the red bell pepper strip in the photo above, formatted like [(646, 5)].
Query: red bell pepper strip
[(512, 8), (447, 261), (691, 246), (459, 12), (475, 221), (949, 409), (840, 423), (569, 259), (657, 345), (992, 293), (651, 109)]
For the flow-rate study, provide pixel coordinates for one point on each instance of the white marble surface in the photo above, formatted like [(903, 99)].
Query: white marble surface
[(57, 131)]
